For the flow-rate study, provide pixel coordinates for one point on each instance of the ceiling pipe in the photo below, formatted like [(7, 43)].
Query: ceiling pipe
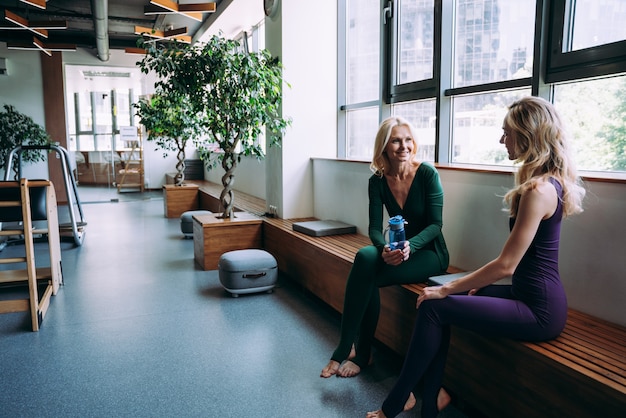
[(100, 12)]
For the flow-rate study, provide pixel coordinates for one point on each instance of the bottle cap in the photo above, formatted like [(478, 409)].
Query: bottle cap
[(396, 222)]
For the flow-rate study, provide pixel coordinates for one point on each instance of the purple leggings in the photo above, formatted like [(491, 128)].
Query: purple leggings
[(493, 311)]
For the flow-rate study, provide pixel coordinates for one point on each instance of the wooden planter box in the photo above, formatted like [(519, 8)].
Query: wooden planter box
[(179, 199), (213, 236)]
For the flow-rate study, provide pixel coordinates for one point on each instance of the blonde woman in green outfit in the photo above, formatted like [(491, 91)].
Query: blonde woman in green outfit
[(408, 188)]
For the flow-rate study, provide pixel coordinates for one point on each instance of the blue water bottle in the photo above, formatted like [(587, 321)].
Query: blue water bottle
[(395, 231)]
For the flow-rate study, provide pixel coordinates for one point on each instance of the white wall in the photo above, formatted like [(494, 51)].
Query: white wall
[(23, 86), (23, 89), (592, 261), (309, 57)]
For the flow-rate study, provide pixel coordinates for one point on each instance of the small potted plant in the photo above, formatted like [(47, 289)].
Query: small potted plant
[(19, 129)]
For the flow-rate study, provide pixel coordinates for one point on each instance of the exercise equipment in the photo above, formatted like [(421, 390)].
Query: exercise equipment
[(77, 223)]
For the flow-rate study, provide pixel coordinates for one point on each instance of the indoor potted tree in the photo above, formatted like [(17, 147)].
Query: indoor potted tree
[(19, 129), (171, 123), (232, 96)]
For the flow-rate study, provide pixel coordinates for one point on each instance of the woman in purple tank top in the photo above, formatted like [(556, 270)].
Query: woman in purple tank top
[(534, 306)]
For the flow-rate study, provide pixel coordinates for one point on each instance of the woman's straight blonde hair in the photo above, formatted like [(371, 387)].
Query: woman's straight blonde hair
[(380, 161), (542, 148)]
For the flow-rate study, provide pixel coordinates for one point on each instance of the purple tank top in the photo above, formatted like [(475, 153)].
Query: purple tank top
[(536, 280)]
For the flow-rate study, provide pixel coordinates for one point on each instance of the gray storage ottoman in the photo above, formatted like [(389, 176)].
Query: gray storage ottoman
[(186, 221), (247, 271)]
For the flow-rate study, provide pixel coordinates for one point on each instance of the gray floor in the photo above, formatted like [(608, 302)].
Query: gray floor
[(139, 330)]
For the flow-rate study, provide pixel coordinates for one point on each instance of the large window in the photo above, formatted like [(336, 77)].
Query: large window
[(595, 112), (361, 97), (477, 127), (415, 34), (493, 41), (453, 67), (595, 23), (493, 45)]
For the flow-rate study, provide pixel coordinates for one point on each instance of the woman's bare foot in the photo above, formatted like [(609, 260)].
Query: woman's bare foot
[(443, 399), (348, 369), (352, 353), (330, 370), (410, 403)]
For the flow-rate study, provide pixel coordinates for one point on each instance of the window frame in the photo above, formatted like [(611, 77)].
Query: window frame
[(415, 90), (550, 67), (590, 62)]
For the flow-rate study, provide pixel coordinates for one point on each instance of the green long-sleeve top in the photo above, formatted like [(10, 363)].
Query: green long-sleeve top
[(423, 212)]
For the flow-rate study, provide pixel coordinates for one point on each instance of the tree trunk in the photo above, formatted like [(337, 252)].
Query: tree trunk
[(179, 178), (229, 163)]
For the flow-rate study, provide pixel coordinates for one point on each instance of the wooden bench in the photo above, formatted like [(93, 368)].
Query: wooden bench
[(202, 194), (582, 373)]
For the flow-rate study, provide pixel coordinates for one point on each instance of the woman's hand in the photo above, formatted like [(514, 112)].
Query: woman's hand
[(396, 257), (431, 292)]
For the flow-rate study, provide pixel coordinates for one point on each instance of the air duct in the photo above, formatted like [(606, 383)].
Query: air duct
[(100, 12)]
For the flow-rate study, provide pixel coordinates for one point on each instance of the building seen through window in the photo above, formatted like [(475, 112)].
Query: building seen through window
[(486, 51)]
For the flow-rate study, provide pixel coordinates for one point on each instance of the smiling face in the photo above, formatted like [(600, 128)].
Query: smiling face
[(400, 146)]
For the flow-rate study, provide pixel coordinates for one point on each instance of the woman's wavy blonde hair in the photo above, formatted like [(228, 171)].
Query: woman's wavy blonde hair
[(380, 161), (542, 148)]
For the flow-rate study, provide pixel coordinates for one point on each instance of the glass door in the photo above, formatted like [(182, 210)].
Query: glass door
[(99, 102)]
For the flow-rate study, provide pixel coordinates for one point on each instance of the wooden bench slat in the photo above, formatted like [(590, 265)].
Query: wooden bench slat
[(610, 380), (591, 335), (597, 323), (612, 352), (611, 346), (591, 353), (586, 360)]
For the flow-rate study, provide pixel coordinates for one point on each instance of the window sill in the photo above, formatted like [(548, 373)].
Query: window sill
[(594, 176), (588, 176)]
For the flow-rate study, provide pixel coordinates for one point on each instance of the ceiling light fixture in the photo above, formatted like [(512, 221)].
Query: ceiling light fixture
[(40, 4), (23, 23), (177, 34), (39, 24), (194, 11), (113, 74), (39, 45)]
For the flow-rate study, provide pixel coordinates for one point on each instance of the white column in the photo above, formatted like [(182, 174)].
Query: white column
[(304, 37)]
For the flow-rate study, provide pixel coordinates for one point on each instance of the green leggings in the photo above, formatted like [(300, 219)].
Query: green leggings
[(361, 306)]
